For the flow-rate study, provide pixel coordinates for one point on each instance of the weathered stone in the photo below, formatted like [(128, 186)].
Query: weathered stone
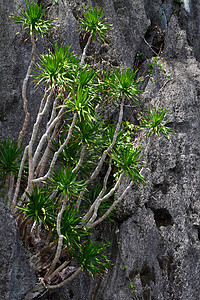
[(10, 74), (17, 278), (156, 246), (129, 26), (190, 19), (158, 250)]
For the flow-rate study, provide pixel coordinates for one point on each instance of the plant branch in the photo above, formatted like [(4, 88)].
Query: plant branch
[(45, 136), (88, 214), (34, 135), (43, 108), (59, 269), (80, 159), (56, 154), (127, 189), (43, 161), (99, 166), (53, 113), (60, 239), (89, 224), (24, 88), (113, 205), (85, 50), (19, 179), (50, 287)]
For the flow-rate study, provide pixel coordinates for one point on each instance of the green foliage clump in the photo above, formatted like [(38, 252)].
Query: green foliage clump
[(155, 122), (64, 181), (90, 258), (10, 158), (39, 207), (130, 161), (10, 153), (54, 67), (32, 19), (76, 167), (71, 231), (92, 23)]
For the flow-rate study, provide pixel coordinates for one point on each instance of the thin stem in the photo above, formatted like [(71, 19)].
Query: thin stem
[(45, 136), (150, 47), (88, 214), (98, 168), (78, 202), (24, 89), (51, 287), (19, 179), (113, 205), (85, 50), (59, 269), (33, 137), (44, 158), (104, 198), (60, 239), (43, 101), (43, 161), (10, 189), (80, 159), (42, 111), (127, 189), (56, 154), (100, 164), (53, 113)]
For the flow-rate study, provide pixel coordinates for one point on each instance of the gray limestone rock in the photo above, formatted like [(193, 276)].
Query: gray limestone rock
[(190, 19), (17, 278), (10, 86), (155, 248), (158, 249)]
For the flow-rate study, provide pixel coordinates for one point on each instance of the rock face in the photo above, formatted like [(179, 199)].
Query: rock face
[(17, 278), (156, 243), (10, 85)]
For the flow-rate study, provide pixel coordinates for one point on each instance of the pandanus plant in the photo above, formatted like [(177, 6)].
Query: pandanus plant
[(76, 166)]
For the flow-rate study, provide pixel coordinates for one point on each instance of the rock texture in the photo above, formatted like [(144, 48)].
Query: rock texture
[(17, 278), (158, 249), (155, 248), (15, 57), (10, 84)]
